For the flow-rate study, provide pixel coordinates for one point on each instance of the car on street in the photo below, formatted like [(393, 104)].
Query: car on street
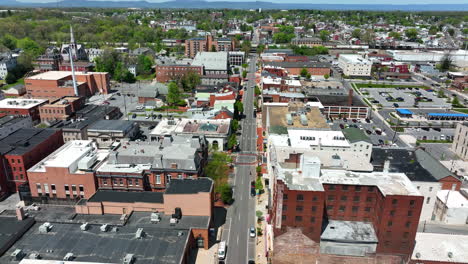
[(345, 120), (437, 129), (106, 103), (381, 142), (341, 126), (396, 105), (378, 132), (252, 232), (134, 116), (251, 262), (354, 120), (368, 132), (367, 120)]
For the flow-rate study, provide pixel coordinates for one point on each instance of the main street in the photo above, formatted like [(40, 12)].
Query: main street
[(241, 215)]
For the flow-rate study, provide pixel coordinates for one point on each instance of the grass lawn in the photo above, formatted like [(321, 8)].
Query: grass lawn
[(376, 85), (20, 81), (145, 77), (462, 110)]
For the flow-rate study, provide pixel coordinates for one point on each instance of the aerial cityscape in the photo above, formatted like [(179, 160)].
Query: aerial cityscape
[(233, 132)]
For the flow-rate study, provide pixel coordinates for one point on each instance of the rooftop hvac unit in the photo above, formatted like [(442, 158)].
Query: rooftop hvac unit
[(69, 256), (128, 259), (155, 218), (289, 119), (34, 256), (45, 227), (84, 227), (18, 254), (304, 120), (139, 233), (115, 229), (86, 162), (104, 227), (173, 221)]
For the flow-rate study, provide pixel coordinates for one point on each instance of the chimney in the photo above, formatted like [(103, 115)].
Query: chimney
[(20, 213), (386, 167), (350, 97)]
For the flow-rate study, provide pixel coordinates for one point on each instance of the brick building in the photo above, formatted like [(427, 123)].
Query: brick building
[(323, 202), (308, 42), (22, 149), (169, 72), (208, 43), (295, 67), (58, 84), (61, 109), (22, 107), (150, 166), (47, 62), (67, 173), (80, 66)]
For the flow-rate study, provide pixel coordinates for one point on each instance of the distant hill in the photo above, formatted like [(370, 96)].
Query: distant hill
[(238, 5)]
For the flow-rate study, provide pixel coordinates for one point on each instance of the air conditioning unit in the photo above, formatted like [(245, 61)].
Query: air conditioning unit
[(69, 256), (45, 228), (34, 256), (84, 227), (139, 233), (18, 254), (104, 227), (128, 259), (155, 218), (173, 221)]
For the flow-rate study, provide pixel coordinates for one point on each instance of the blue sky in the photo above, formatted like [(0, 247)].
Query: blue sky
[(394, 2)]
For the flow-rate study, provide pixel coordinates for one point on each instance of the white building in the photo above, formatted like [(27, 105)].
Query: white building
[(451, 207), (94, 53), (440, 248), (332, 148), (7, 63), (354, 65)]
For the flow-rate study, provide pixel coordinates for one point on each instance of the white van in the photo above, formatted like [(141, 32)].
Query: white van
[(222, 250), (442, 137)]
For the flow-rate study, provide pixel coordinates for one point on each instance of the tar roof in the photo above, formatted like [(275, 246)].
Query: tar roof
[(159, 245), (417, 165), (127, 197), (298, 64), (353, 134), (349, 231), (112, 125), (24, 140), (189, 186), (9, 228)]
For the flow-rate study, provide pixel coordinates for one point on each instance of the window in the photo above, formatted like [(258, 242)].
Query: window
[(344, 198), (370, 188), (137, 183), (121, 181), (356, 198), (314, 198), (329, 207), (179, 176), (130, 182), (285, 196), (158, 179), (410, 213), (283, 217), (312, 219), (344, 187), (285, 207), (300, 197), (369, 199), (355, 209), (66, 188), (342, 208), (331, 198), (394, 201), (104, 181), (411, 202), (314, 208), (428, 200), (19, 161), (367, 209), (38, 187), (299, 208), (408, 224), (74, 188), (116, 182), (390, 223), (331, 187), (298, 218), (81, 188), (358, 188)]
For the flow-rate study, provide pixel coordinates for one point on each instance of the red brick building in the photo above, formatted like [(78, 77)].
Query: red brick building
[(58, 84), (166, 73), (307, 197), (80, 66), (23, 149), (61, 109), (208, 43), (22, 107), (295, 67)]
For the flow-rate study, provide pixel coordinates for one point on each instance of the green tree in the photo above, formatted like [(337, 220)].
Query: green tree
[(119, 72), (10, 78), (213, 48), (257, 90), (30, 46), (173, 95), (446, 63), (189, 81), (128, 77), (441, 93), (244, 74), (107, 62), (411, 33), (226, 193), (246, 46), (144, 64), (356, 33), (259, 185), (451, 31), (260, 48), (304, 72), (232, 141), (433, 30), (234, 125), (324, 35), (245, 65), (309, 75), (326, 76), (394, 35), (8, 41), (456, 102)]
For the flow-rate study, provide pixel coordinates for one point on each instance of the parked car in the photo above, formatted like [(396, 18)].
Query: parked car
[(354, 120), (134, 116), (367, 120), (368, 132), (396, 105), (381, 142), (252, 232), (341, 126), (378, 132), (345, 120), (436, 129)]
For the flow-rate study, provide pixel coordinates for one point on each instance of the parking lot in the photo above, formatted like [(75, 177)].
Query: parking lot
[(404, 97), (427, 133), (379, 135)]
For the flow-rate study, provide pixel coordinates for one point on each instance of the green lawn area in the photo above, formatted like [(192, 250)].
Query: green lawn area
[(145, 77), (376, 85), (20, 81), (462, 110)]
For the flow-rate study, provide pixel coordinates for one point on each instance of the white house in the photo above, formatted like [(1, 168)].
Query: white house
[(354, 65), (7, 63)]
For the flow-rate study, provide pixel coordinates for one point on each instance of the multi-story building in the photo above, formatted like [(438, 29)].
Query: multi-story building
[(169, 72), (354, 65), (58, 84), (451, 207), (7, 63), (236, 57), (336, 207), (214, 63), (22, 149), (10, 123), (295, 67), (460, 141), (67, 173), (79, 66), (208, 43), (309, 42), (47, 62), (22, 107), (94, 53), (61, 109), (150, 166), (105, 132)]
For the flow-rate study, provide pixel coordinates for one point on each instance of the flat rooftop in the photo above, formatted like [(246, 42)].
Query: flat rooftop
[(127, 197), (62, 101), (58, 75), (211, 60), (20, 103), (436, 247), (304, 138), (453, 199), (276, 116), (112, 125), (10, 119), (159, 245), (24, 140), (355, 59), (10, 228), (219, 127), (349, 231)]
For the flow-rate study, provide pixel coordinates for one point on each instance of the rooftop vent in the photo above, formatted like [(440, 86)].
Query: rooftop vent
[(139, 233), (68, 257), (45, 228), (128, 259), (18, 254), (450, 255), (104, 227), (84, 227)]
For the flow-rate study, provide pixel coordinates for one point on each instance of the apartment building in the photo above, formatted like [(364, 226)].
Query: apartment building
[(354, 65), (22, 107), (61, 109), (208, 43), (169, 72), (460, 141)]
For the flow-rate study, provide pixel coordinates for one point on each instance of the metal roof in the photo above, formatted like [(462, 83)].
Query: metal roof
[(448, 114), (404, 111)]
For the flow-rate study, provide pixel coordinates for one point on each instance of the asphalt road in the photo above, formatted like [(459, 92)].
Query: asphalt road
[(241, 215)]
